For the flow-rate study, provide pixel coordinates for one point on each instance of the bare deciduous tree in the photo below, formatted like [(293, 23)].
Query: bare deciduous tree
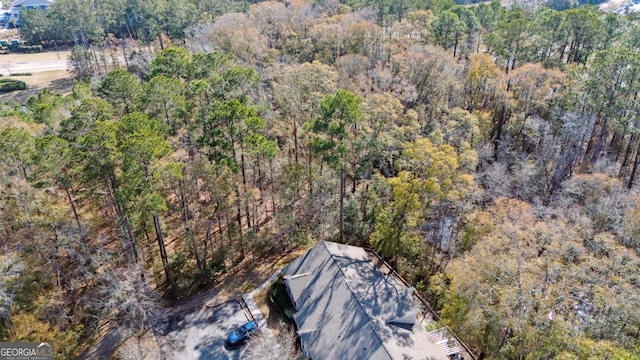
[(10, 267), (127, 299), (261, 348)]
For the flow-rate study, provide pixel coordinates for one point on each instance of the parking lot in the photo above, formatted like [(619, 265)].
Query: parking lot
[(201, 334)]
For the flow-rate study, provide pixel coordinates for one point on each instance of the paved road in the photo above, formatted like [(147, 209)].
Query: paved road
[(33, 66), (200, 334)]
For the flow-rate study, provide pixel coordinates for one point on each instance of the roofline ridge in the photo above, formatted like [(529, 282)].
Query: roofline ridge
[(371, 320)]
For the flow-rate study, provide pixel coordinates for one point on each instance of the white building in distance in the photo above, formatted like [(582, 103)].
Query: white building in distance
[(29, 4)]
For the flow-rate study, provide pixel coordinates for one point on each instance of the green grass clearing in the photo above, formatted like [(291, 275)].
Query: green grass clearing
[(43, 56), (58, 81)]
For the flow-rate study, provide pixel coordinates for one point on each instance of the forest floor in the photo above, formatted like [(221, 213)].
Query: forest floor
[(238, 280)]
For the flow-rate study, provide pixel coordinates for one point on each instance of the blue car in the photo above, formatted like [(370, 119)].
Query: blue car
[(242, 333)]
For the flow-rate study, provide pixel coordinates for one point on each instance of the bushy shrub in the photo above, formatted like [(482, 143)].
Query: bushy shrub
[(28, 49), (8, 85)]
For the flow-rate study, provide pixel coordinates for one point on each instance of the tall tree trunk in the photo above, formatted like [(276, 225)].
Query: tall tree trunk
[(617, 141), (257, 174), (591, 143), (160, 40), (124, 51), (599, 143), (56, 262), (273, 188), (207, 240), (165, 259), (239, 220), (73, 208), (167, 118), (186, 217), (149, 247), (244, 187), (634, 169), (123, 220), (627, 153), (564, 165), (295, 140), (239, 201), (310, 178), (132, 240), (499, 120), (455, 46), (341, 236)]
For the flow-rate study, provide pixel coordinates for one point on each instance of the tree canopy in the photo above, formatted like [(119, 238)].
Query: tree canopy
[(489, 154)]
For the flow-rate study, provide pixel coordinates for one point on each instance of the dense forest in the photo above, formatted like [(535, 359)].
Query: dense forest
[(490, 154)]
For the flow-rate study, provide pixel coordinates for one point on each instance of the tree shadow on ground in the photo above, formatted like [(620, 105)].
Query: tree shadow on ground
[(61, 86), (104, 347), (35, 85)]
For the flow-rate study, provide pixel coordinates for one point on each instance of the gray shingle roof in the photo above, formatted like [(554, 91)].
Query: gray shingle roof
[(344, 306)]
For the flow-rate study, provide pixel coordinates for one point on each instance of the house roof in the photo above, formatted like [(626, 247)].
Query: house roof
[(347, 309), (32, 2)]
